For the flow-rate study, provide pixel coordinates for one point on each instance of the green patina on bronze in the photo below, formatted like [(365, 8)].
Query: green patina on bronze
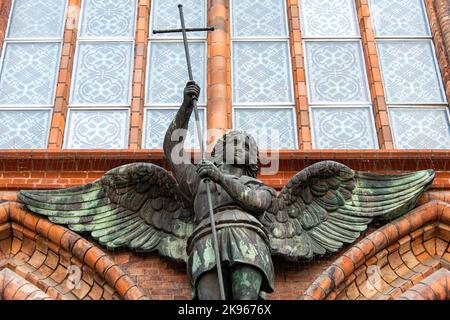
[(142, 207)]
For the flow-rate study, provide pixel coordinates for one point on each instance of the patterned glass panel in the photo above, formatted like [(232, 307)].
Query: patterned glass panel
[(273, 128), (28, 74), (167, 73), (409, 72), (259, 18), (108, 18), (95, 129), (399, 18), (261, 72), (343, 128), (37, 19), (158, 121), (103, 73), (165, 15), (420, 128), (336, 72), (328, 18), (24, 129)]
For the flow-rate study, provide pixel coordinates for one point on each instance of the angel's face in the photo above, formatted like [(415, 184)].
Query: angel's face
[(238, 150)]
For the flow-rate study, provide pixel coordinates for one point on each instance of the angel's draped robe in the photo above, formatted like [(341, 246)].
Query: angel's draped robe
[(242, 239)]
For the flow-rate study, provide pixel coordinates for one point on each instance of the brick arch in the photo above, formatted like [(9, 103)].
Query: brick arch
[(408, 258), (41, 260)]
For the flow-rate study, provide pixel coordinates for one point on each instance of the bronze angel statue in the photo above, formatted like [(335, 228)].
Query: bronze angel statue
[(142, 207)]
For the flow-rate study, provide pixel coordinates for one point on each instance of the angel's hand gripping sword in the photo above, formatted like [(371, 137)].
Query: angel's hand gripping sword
[(184, 31)]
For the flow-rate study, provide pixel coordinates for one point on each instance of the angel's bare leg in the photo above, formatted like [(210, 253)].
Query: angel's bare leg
[(208, 286), (246, 282)]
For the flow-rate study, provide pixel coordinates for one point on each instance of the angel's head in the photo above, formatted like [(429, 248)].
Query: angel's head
[(237, 148)]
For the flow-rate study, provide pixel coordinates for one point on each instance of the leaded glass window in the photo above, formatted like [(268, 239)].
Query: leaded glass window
[(416, 128), (338, 90), (168, 73), (262, 84), (344, 128), (37, 19), (24, 129), (108, 19), (102, 76), (259, 18), (156, 122), (399, 18), (97, 129), (262, 72), (166, 68), (336, 72), (269, 126), (103, 73), (410, 72), (411, 77), (29, 72), (164, 15), (327, 18)]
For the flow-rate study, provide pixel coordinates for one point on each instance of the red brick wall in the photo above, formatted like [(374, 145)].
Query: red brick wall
[(161, 278), (60, 169)]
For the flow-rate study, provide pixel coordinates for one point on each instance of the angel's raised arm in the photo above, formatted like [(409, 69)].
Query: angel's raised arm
[(180, 163)]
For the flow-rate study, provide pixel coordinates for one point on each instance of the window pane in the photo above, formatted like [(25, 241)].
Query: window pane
[(273, 128), (102, 73), (328, 18), (95, 129), (165, 15), (409, 72), (343, 128), (24, 129), (168, 72), (158, 121), (399, 18), (29, 73), (108, 18), (37, 19), (261, 72), (336, 72), (259, 18), (420, 128)]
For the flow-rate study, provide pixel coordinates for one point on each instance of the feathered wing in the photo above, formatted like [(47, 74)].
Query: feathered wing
[(135, 206), (328, 204)]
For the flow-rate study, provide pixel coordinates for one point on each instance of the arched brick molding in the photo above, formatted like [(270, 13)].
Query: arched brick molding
[(41, 260), (409, 254)]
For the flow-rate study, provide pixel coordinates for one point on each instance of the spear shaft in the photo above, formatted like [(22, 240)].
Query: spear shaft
[(200, 136)]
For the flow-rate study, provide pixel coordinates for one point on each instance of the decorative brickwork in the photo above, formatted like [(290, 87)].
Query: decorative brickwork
[(434, 287), (298, 68), (219, 76), (374, 74), (392, 260), (64, 77), (14, 287), (140, 63), (40, 260)]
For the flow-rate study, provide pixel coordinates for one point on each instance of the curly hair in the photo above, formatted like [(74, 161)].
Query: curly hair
[(218, 155)]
